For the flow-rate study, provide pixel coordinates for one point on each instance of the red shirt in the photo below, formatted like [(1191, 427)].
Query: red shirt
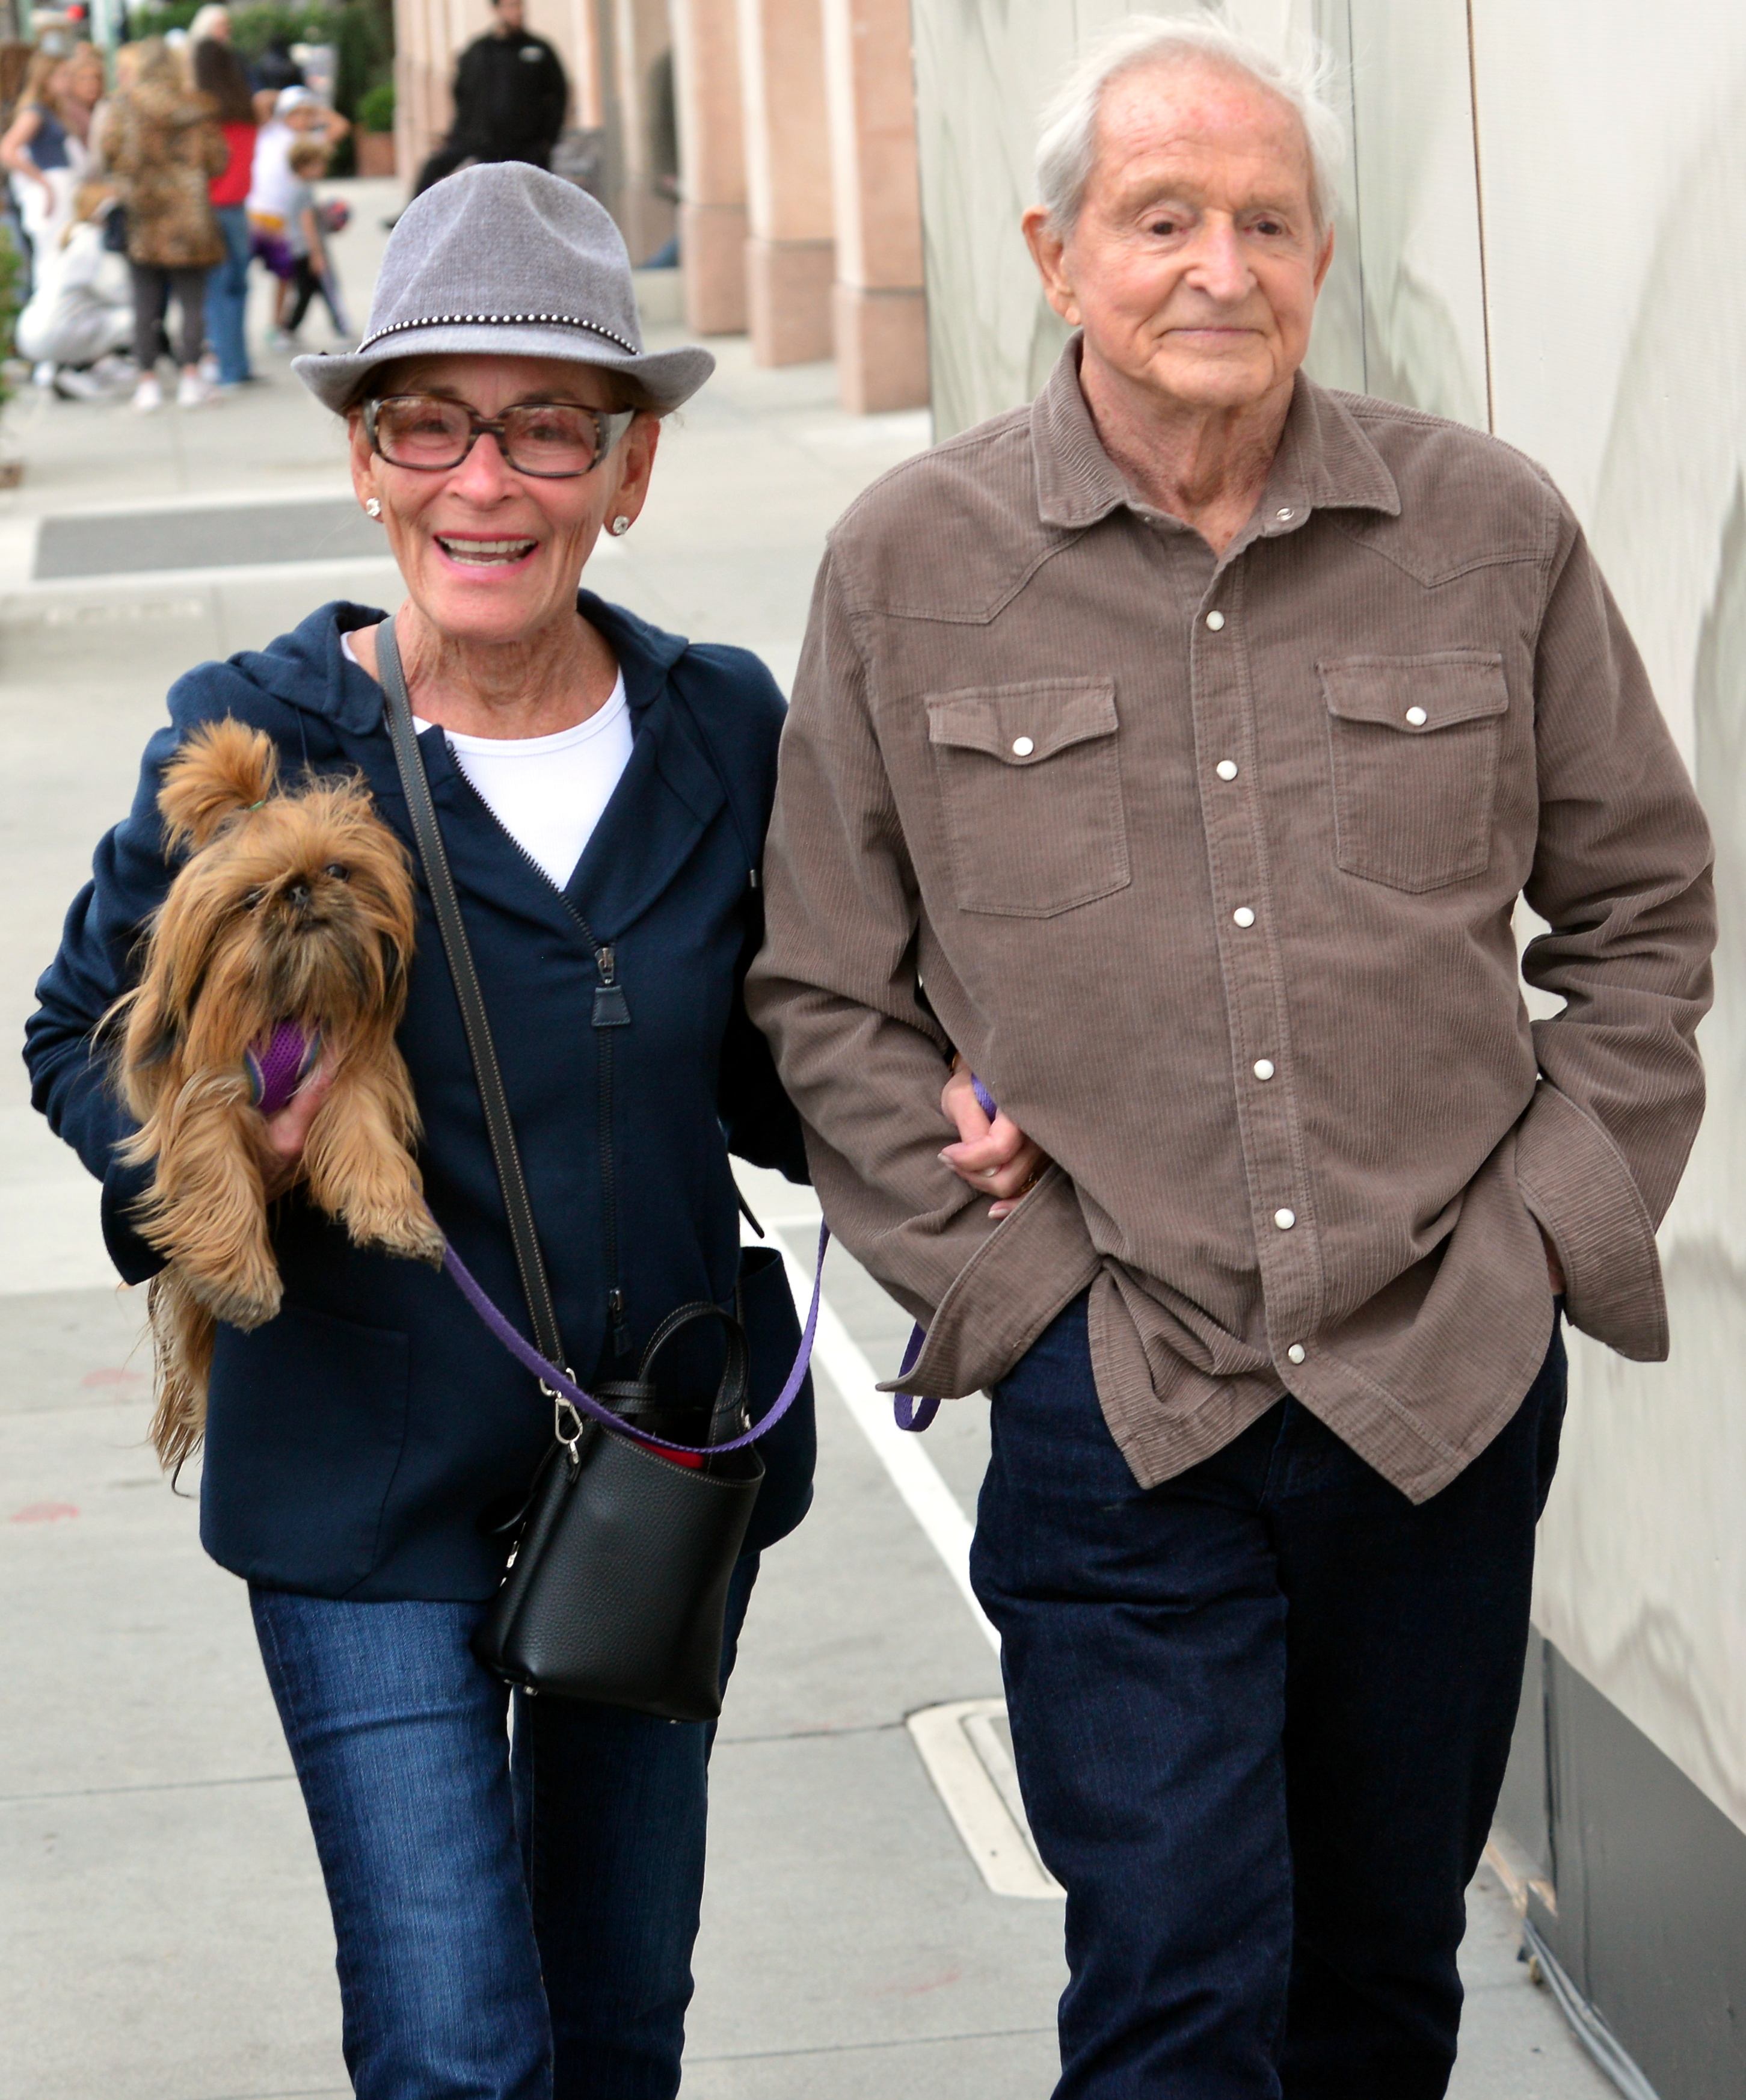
[(232, 186)]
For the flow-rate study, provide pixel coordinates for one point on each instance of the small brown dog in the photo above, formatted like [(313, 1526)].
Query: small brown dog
[(292, 920)]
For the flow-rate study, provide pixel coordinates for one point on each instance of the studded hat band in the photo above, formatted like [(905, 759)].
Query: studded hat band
[(500, 320)]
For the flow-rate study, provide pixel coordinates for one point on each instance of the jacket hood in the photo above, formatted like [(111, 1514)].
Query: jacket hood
[(307, 669)]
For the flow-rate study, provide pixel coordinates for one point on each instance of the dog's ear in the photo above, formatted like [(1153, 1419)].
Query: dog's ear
[(224, 767)]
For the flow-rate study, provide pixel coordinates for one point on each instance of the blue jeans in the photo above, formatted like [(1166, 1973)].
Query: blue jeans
[(1260, 1715), (511, 1926), (227, 296)]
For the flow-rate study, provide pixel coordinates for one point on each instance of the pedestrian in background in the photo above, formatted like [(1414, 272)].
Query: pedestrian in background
[(312, 268), (220, 75), (298, 114), (79, 315), (163, 146), (510, 99), (47, 150)]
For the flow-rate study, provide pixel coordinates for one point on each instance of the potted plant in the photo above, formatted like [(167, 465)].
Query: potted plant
[(376, 129)]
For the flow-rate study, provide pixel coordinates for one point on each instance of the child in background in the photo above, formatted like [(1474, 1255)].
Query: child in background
[(312, 271)]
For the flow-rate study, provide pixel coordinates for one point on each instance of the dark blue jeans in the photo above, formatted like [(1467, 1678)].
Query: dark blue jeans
[(1260, 1715), (510, 1926)]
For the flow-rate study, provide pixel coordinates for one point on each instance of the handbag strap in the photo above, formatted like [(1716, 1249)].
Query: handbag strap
[(566, 1390), (415, 785)]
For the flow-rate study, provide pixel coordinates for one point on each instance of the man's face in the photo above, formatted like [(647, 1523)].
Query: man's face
[(1194, 266), (509, 14)]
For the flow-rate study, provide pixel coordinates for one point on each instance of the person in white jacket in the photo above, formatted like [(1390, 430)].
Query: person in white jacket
[(80, 312)]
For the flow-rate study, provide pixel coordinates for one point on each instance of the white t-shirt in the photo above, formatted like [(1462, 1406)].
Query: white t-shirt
[(548, 792), (271, 181)]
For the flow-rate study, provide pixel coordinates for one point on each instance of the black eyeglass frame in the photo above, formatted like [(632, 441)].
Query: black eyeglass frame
[(609, 426)]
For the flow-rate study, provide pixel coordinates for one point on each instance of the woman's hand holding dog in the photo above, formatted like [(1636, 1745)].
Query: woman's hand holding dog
[(287, 1133), (996, 1158)]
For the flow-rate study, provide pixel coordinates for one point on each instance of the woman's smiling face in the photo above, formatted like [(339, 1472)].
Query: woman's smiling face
[(489, 554)]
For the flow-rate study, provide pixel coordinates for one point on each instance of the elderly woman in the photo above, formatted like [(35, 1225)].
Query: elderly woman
[(508, 1923)]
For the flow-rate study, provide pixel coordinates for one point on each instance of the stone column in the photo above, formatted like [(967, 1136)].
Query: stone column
[(642, 40), (711, 165), (879, 313), (588, 99), (790, 250)]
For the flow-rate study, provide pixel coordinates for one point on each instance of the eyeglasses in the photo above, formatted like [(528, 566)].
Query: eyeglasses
[(552, 440)]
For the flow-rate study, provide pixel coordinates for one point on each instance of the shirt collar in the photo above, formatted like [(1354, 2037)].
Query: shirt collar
[(1325, 461)]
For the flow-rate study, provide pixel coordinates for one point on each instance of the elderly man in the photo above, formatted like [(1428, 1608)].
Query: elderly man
[(1174, 751)]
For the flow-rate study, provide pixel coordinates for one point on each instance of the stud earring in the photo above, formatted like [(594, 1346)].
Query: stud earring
[(373, 507), (620, 527)]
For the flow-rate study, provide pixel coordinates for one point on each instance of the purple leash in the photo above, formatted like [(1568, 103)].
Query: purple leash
[(909, 1412), (566, 1388)]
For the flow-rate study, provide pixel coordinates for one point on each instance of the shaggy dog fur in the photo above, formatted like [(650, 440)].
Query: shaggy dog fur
[(290, 907)]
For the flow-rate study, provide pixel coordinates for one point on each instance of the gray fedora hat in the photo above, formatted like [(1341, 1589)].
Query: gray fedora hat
[(507, 260)]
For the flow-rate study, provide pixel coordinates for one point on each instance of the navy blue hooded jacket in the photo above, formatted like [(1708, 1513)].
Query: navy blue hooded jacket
[(354, 1443)]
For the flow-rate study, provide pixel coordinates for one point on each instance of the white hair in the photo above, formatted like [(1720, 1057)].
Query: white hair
[(212, 20), (1068, 145)]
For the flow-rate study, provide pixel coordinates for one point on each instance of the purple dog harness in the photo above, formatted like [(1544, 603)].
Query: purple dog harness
[(277, 1065)]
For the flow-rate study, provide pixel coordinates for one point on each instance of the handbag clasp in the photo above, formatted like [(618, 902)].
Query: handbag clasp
[(560, 1408)]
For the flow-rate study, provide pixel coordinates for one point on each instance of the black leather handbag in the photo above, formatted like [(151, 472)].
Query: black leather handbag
[(618, 1590), (617, 1587)]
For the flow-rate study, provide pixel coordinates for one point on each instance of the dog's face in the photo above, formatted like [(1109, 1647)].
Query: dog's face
[(300, 910), (290, 907)]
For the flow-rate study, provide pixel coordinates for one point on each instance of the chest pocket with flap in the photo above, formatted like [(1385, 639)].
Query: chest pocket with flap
[(1030, 795), (1414, 743)]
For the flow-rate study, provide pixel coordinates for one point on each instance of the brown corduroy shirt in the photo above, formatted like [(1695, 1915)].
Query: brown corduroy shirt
[(1207, 866)]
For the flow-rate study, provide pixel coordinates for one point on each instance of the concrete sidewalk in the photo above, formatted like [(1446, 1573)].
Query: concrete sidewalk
[(163, 1933)]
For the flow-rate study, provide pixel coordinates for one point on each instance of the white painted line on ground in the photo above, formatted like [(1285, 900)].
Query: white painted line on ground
[(956, 1742), (913, 1473)]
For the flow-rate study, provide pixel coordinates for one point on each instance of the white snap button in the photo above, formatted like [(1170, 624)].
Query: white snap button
[(1296, 1353), (1215, 620), (1285, 1219), (1022, 747), (1288, 512), (1243, 915), (1263, 1068), (1226, 768), (1417, 718)]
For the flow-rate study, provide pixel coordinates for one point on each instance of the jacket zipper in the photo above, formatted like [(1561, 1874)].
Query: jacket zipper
[(611, 1010)]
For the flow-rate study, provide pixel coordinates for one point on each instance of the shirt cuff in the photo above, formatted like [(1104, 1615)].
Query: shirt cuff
[(1579, 1190), (1034, 1263)]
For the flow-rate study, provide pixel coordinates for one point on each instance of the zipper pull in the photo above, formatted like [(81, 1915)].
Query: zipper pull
[(621, 1341), (611, 1008)]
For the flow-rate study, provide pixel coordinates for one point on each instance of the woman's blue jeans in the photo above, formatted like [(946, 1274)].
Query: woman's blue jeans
[(511, 1926), (227, 297)]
